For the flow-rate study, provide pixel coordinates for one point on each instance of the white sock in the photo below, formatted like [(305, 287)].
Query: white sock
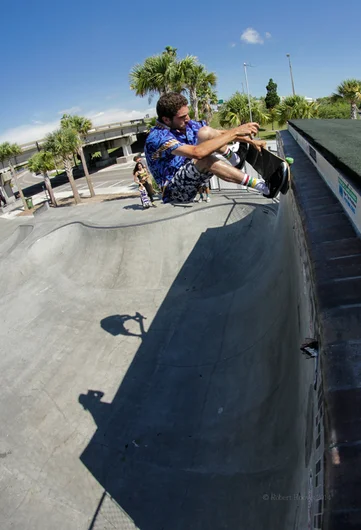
[(256, 184), (232, 157)]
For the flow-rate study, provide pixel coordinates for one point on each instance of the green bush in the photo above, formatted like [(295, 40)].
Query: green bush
[(337, 110)]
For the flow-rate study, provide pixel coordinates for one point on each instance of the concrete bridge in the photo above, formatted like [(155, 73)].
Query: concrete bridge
[(102, 138)]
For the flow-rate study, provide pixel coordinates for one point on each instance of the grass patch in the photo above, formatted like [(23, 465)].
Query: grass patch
[(265, 131)]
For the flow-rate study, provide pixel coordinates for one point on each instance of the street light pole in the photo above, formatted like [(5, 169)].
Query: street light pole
[(293, 85), (249, 100)]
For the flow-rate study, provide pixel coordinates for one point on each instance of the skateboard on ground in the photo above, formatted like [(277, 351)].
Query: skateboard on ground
[(144, 198)]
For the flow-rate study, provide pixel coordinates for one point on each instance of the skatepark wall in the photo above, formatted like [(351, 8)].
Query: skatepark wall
[(330, 223), (338, 171)]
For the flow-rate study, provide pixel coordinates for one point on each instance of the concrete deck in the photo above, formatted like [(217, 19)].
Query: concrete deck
[(150, 368)]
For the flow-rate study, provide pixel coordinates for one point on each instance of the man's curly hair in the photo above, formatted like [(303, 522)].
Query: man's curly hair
[(169, 104)]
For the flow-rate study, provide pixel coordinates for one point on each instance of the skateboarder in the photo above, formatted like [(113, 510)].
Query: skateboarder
[(179, 153)]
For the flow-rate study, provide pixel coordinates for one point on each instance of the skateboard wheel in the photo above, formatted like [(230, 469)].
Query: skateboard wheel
[(289, 160)]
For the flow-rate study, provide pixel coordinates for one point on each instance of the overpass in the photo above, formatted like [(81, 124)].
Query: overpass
[(101, 138)]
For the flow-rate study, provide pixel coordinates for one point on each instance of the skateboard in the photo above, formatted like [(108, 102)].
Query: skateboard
[(144, 198), (266, 163)]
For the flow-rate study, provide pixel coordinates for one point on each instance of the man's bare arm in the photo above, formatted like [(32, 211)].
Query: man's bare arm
[(210, 146)]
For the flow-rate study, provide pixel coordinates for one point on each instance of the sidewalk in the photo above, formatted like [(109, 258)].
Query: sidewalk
[(15, 208)]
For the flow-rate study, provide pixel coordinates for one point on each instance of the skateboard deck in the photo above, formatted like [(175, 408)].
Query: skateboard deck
[(267, 163), (144, 199)]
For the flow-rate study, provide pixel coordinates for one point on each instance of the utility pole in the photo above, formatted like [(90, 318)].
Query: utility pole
[(249, 99), (293, 85)]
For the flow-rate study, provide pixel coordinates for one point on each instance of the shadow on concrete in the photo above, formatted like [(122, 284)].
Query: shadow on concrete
[(208, 422), (120, 198), (134, 207), (115, 325)]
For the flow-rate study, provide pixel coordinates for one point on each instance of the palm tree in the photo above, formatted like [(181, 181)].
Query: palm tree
[(273, 115), (350, 90), (43, 162), (154, 76), (206, 98), (63, 143), (171, 51), (7, 152), (296, 107), (81, 126), (235, 111), (193, 76)]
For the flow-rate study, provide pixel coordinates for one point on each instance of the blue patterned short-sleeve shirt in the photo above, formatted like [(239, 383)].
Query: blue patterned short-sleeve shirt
[(160, 144)]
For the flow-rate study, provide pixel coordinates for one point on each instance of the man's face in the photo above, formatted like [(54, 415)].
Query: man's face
[(180, 120)]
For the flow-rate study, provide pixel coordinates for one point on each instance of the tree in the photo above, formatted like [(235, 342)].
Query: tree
[(273, 115), (272, 98), (193, 77), (296, 107), (155, 76), (330, 109), (63, 143), (235, 111), (207, 97), (81, 126), (42, 162), (170, 51), (7, 152), (350, 91), (164, 73)]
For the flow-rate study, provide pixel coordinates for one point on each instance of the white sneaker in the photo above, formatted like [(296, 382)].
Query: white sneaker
[(195, 199), (200, 199), (208, 199)]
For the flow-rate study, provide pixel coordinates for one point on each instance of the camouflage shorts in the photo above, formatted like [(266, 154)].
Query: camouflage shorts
[(185, 184)]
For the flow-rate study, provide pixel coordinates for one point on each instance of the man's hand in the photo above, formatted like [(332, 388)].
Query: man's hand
[(248, 129), (258, 144)]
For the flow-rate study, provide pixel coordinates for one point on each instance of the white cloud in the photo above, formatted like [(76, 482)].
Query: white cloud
[(37, 131), (233, 44), (72, 110), (28, 133), (268, 35), (251, 36), (115, 114)]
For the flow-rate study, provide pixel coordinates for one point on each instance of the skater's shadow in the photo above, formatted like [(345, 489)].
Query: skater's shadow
[(115, 325), (100, 410)]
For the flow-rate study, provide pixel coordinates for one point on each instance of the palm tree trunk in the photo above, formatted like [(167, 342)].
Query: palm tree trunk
[(194, 102), (86, 172), (12, 170), (69, 171), (49, 188), (208, 113), (56, 165), (353, 111)]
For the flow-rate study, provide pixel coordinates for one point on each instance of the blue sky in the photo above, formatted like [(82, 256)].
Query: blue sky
[(76, 56)]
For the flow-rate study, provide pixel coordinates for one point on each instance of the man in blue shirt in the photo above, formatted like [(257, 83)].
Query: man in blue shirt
[(180, 153)]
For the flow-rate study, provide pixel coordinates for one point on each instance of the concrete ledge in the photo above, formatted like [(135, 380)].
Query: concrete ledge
[(339, 178), (335, 257), (125, 159)]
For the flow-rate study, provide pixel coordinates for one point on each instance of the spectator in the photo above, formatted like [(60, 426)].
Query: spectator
[(142, 177)]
